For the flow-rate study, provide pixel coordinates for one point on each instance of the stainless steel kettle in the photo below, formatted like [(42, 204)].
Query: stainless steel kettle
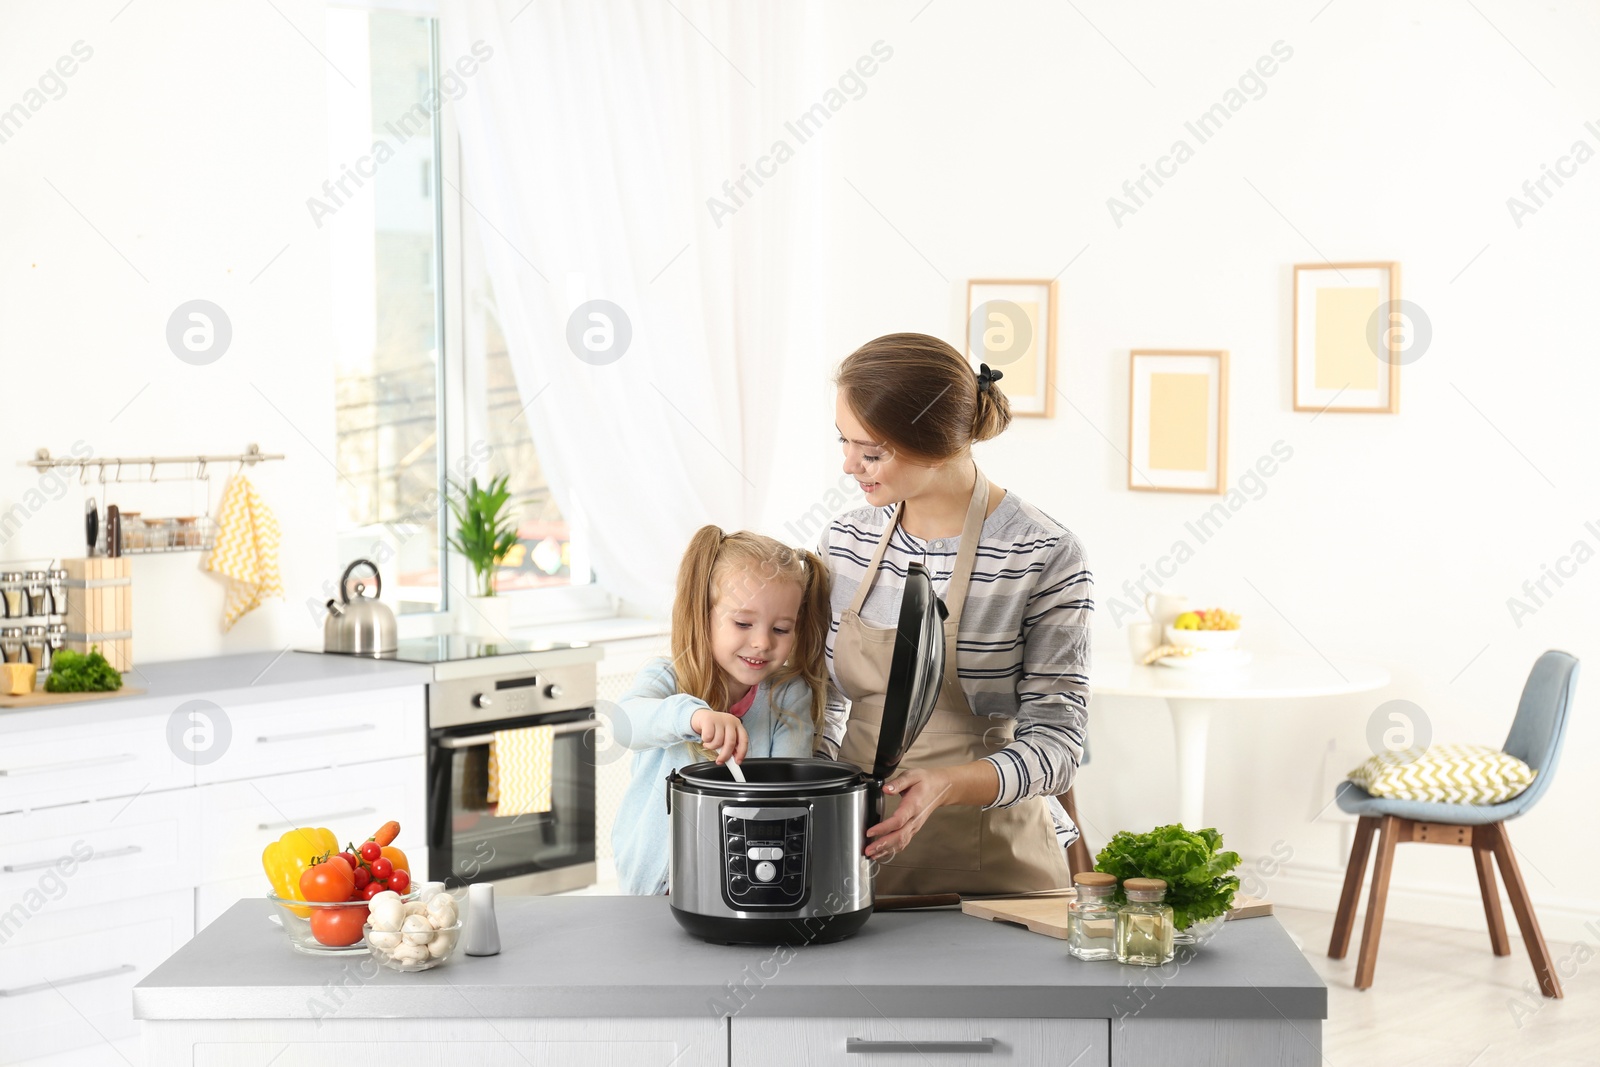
[(359, 625)]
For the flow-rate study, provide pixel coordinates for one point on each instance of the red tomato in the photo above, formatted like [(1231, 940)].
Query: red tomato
[(382, 869), (350, 858), (327, 882), (337, 926), (400, 881), (373, 890), (371, 851), (363, 876)]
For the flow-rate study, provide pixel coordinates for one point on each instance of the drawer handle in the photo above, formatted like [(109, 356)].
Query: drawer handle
[(50, 768), (559, 729), (316, 820), (39, 865), (857, 1044), (316, 733), (40, 987)]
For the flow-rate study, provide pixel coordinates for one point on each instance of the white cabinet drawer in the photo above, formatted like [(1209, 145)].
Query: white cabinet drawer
[(238, 819), (296, 735), (92, 957), (82, 854), (67, 766), (834, 1042)]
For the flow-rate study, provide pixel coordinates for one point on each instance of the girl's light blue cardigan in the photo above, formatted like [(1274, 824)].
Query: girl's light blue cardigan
[(654, 723)]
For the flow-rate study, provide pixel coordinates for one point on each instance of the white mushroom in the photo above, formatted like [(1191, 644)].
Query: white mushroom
[(442, 911), (409, 953), (385, 911), (417, 930), (383, 940), (442, 943), (415, 907)]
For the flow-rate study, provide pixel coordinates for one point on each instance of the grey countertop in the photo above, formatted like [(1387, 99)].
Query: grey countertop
[(245, 678), (603, 957)]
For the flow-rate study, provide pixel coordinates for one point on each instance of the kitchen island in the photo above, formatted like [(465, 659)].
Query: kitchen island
[(613, 980)]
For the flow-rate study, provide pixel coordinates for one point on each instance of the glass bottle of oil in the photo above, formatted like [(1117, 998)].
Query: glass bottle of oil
[(1092, 918), (1144, 923)]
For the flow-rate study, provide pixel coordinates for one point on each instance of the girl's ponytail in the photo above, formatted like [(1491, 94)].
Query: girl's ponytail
[(691, 619)]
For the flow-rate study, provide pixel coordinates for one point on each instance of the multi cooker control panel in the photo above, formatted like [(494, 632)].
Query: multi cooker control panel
[(764, 856)]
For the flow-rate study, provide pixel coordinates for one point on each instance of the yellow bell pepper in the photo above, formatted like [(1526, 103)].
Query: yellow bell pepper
[(288, 857)]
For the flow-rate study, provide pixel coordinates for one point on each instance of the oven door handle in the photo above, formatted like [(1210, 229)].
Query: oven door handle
[(560, 728)]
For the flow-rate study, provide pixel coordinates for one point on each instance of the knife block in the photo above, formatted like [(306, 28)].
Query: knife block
[(100, 608)]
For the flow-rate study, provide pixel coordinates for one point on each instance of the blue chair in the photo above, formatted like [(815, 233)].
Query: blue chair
[(1535, 738)]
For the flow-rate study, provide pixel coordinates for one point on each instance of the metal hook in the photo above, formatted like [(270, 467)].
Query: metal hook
[(152, 470), (200, 471), (83, 474), (119, 472), (102, 472)]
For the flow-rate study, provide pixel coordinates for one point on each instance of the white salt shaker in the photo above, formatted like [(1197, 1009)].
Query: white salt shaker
[(482, 932)]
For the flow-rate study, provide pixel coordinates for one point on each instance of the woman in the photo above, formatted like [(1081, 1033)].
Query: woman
[(976, 809)]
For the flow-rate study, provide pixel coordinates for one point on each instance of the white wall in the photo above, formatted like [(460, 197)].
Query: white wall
[(180, 154), (991, 141)]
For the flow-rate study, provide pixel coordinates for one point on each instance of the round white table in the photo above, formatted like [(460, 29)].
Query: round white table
[(1191, 693)]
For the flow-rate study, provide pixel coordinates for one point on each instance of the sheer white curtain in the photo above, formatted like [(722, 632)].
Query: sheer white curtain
[(592, 137)]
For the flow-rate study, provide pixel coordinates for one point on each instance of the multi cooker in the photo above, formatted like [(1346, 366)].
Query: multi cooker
[(778, 858)]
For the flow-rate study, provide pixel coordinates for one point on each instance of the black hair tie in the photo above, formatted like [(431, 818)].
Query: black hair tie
[(987, 377)]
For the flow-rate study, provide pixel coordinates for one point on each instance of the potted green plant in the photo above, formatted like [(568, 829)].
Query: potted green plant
[(484, 532)]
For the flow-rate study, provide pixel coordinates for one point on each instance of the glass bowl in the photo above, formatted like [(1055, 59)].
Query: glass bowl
[(304, 920), (444, 942)]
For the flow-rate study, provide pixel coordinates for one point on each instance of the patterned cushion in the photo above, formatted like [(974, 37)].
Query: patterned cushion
[(1446, 774)]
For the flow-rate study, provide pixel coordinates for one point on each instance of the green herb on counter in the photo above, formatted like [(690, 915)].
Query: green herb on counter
[(77, 672), (1199, 885)]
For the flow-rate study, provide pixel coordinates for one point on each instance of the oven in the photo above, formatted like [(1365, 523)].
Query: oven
[(468, 841)]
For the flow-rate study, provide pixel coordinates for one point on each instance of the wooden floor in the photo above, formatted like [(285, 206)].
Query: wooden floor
[(1441, 997)]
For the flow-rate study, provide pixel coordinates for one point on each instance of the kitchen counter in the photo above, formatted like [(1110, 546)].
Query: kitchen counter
[(597, 956), (245, 678)]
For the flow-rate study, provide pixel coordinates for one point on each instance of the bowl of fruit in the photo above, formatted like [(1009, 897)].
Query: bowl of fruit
[(322, 892), (1210, 630), (413, 935)]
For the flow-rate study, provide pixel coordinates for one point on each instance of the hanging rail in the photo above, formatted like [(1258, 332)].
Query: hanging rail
[(43, 460)]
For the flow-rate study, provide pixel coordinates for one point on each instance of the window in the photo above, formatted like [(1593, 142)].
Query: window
[(416, 354), (381, 211)]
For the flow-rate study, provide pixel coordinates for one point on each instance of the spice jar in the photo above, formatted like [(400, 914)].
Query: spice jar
[(188, 532), (11, 644), (1092, 918), (38, 605), (38, 648), (130, 531), (1144, 923), (56, 582), (15, 592), (56, 638)]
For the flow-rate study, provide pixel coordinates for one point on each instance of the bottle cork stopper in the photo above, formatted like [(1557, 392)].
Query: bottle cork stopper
[(1144, 885), (1094, 878)]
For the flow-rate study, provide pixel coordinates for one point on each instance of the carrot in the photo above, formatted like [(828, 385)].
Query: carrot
[(386, 833)]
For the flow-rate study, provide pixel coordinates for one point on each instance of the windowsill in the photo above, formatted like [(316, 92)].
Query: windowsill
[(595, 631)]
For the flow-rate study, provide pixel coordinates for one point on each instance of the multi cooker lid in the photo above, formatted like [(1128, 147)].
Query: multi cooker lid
[(915, 671)]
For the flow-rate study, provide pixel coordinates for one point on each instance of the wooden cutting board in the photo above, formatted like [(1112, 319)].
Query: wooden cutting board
[(1048, 914), (41, 699)]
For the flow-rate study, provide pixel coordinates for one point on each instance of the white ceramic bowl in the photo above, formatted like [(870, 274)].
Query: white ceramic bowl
[(1209, 640)]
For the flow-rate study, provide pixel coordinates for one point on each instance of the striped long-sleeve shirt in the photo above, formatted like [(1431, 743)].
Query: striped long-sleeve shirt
[(1023, 647)]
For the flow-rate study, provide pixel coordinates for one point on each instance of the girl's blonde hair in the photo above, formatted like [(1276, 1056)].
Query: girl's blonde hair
[(711, 561)]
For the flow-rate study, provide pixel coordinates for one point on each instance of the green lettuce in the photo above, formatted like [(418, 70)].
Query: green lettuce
[(76, 672), (1199, 885)]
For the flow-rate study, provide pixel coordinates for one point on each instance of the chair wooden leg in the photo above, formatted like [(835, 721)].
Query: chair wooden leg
[(1382, 868), (1522, 908), (1344, 920), (1483, 859), (1078, 856)]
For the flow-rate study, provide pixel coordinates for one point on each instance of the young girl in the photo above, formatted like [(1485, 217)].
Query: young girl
[(748, 677)]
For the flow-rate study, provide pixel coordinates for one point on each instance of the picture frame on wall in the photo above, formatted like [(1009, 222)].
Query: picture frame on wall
[(1178, 420), (1347, 353), (1011, 326)]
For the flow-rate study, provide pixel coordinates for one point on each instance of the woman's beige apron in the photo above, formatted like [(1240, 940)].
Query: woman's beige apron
[(960, 849)]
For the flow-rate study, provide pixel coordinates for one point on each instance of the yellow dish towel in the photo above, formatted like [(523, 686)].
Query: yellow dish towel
[(519, 770), (246, 552)]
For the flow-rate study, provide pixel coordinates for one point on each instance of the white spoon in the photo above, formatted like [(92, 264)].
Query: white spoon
[(736, 771)]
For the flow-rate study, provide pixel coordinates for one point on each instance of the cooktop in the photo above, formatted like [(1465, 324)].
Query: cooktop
[(452, 648)]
